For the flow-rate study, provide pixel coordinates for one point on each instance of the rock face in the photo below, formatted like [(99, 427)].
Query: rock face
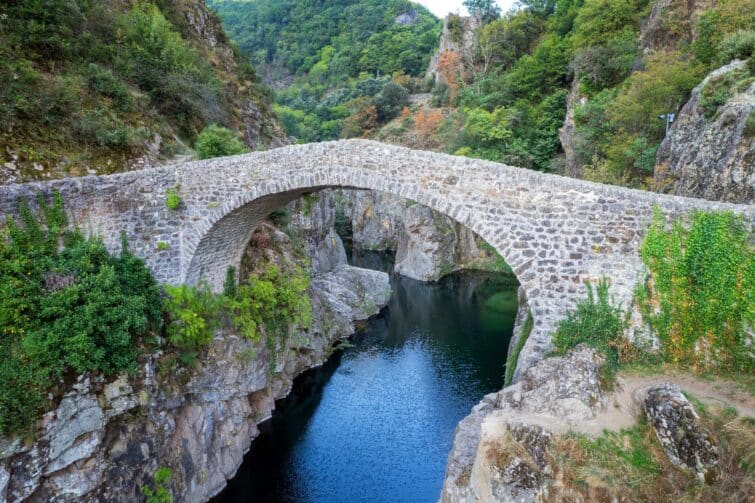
[(106, 439), (428, 244), (685, 440), (313, 218), (459, 36), (499, 452), (712, 156)]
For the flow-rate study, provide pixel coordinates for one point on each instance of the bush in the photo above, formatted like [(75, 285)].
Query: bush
[(193, 316), (66, 305), (172, 199), (216, 141), (390, 101), (700, 294), (597, 323), (737, 45)]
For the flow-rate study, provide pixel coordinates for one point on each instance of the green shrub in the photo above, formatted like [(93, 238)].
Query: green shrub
[(172, 199), (66, 306), (737, 45), (597, 323), (160, 491), (216, 141), (718, 90), (700, 295), (390, 101), (193, 316)]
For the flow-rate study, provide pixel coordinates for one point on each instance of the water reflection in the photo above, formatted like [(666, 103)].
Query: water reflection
[(376, 422)]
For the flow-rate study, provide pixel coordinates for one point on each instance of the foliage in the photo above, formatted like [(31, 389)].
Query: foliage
[(66, 305), (160, 492), (337, 52), (270, 301), (597, 323), (513, 358), (737, 45), (700, 295), (389, 102), (172, 199), (217, 141), (194, 314), (488, 10), (90, 82), (719, 89), (631, 465)]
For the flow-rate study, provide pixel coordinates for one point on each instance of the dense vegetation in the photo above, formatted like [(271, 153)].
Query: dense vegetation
[(331, 56), (87, 83), (698, 300), (513, 94), (700, 296), (68, 307)]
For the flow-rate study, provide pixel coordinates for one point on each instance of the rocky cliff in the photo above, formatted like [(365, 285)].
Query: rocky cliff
[(710, 150), (428, 245), (106, 439), (119, 85), (561, 434)]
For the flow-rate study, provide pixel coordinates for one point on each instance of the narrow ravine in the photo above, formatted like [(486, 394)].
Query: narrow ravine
[(376, 422)]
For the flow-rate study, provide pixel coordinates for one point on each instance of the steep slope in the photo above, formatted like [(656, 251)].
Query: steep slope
[(341, 68), (710, 151), (97, 86)]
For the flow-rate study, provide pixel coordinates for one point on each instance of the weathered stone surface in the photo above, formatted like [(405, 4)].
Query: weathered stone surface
[(427, 246), (712, 158), (427, 243), (519, 325), (555, 232), (685, 440), (499, 451), (105, 440), (313, 218)]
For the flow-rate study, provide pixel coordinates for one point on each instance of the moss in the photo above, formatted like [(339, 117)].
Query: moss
[(513, 358)]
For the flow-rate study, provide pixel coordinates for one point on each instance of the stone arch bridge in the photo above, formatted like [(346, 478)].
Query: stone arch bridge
[(555, 232)]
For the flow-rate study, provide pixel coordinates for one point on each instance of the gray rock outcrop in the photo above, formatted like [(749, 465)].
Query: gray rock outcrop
[(499, 449), (313, 218), (105, 440), (711, 153), (428, 244), (685, 440)]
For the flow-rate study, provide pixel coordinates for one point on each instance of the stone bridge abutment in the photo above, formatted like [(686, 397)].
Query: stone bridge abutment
[(556, 233)]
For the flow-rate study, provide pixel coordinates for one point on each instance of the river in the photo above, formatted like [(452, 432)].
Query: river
[(376, 422)]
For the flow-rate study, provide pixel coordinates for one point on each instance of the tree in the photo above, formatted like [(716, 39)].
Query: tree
[(488, 10), (390, 100), (216, 141)]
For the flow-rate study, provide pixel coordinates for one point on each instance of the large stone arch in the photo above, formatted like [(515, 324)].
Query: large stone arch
[(557, 233)]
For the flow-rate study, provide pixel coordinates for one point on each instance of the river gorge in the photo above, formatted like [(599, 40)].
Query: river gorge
[(377, 421)]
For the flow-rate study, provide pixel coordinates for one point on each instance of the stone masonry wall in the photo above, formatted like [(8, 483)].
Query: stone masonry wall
[(555, 232)]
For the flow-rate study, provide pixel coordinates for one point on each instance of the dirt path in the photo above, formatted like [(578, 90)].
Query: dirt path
[(623, 410)]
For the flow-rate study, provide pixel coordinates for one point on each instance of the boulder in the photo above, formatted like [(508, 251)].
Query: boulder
[(686, 442), (712, 156)]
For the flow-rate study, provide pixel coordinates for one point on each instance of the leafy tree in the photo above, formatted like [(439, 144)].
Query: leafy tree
[(488, 10), (390, 100), (216, 141)]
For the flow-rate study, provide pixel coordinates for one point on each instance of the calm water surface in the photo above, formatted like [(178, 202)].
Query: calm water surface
[(376, 422)]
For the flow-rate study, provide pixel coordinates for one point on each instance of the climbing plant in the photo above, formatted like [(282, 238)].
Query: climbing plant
[(699, 296)]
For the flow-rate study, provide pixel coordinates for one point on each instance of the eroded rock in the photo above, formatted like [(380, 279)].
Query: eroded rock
[(686, 442)]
